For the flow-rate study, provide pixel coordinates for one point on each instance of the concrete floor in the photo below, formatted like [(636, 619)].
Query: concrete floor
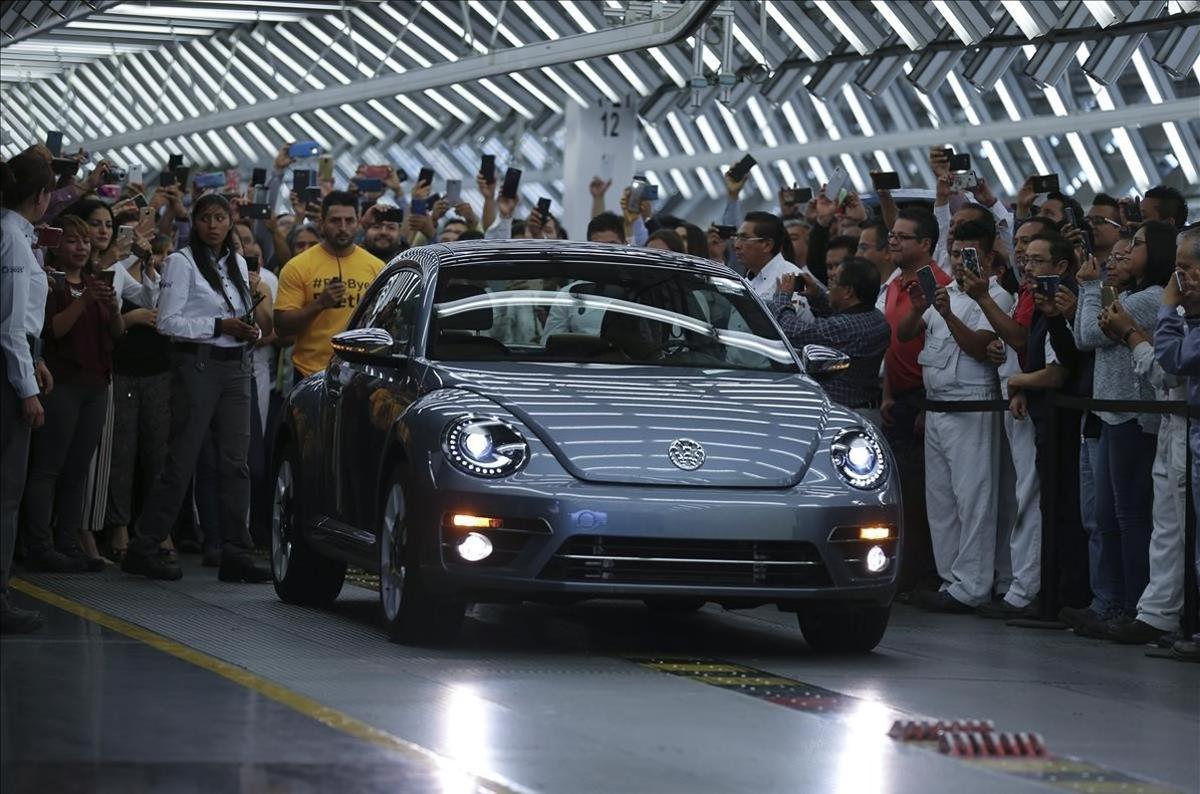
[(559, 699)]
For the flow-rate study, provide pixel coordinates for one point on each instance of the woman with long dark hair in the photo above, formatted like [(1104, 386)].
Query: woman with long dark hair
[(26, 182), (213, 317), (82, 319), (1128, 441)]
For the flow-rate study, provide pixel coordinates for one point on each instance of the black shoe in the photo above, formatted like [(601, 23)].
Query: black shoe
[(1002, 610), (212, 558), (91, 564), (942, 602), (152, 566), (52, 561), (1135, 633), (1169, 639), (1078, 618), (243, 568), (14, 620), (1102, 629)]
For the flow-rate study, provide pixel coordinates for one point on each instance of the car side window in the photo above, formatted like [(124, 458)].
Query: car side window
[(397, 308)]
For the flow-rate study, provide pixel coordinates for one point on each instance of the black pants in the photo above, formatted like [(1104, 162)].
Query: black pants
[(58, 464), (1059, 477), (205, 393), (14, 463), (908, 446), (141, 430)]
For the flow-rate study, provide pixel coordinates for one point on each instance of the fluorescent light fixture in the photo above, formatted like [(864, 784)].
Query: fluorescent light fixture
[(859, 29), (681, 184), (664, 63), (1108, 12), (1049, 61), (931, 69), (656, 140), (1180, 51), (987, 65), (878, 74), (224, 14), (146, 30), (706, 181), (762, 122), (803, 31), (1034, 17), (831, 127), (783, 85), (969, 19), (789, 113), (914, 27), (1183, 154), (707, 133), (829, 78), (1110, 56)]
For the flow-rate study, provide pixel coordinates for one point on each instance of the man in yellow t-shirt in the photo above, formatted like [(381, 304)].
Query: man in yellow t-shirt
[(320, 288)]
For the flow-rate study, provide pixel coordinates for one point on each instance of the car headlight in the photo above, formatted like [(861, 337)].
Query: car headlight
[(485, 446), (859, 459)]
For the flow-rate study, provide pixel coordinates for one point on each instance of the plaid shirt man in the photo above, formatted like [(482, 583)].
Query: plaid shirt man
[(861, 332)]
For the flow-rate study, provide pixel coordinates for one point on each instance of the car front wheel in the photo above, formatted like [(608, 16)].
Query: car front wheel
[(843, 627), (301, 575), (411, 614)]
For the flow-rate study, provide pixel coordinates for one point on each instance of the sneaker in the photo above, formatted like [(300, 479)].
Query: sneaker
[(152, 566), (942, 602), (14, 620), (1134, 633), (1186, 650), (1002, 610), (53, 561), (243, 568)]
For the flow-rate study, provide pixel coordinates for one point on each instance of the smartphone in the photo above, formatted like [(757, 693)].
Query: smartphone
[(248, 317), (928, 283), (636, 191), (543, 208), (606, 167), (837, 183), (453, 191), (54, 142), (299, 181), (741, 168), (64, 166), (725, 232), (963, 181), (174, 161), (255, 212), (798, 195), (885, 180), (1069, 211), (1046, 183), (369, 184), (419, 207), (487, 168), (1180, 284), (1047, 286), (325, 169), (302, 149), (391, 215), (379, 172), (166, 179), (258, 177), (210, 180), (181, 175), (426, 176), (312, 194), (124, 233), (1108, 296), (252, 263), (960, 162), (140, 200), (49, 237), (512, 181), (970, 259), (137, 173), (108, 277), (650, 193), (1089, 241)]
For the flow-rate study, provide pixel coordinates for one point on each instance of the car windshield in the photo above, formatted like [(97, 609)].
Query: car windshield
[(595, 313)]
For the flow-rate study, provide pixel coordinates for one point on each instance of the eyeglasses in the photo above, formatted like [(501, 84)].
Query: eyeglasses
[(1095, 219), (1118, 257), (1037, 260), (747, 237), (899, 236)]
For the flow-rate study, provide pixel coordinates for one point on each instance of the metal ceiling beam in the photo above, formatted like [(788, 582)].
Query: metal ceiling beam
[(1080, 121), (28, 29), (641, 35)]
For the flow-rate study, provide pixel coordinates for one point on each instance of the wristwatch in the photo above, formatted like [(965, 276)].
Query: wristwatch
[(1126, 335)]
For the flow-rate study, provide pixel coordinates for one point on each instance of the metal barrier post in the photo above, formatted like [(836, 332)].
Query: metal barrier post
[(1048, 599), (1188, 620)]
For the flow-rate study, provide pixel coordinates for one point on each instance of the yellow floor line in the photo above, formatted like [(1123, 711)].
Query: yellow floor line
[(458, 777)]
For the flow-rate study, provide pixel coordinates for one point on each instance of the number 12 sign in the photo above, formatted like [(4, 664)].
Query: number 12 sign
[(599, 143)]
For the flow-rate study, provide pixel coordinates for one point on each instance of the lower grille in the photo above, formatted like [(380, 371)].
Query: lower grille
[(722, 563)]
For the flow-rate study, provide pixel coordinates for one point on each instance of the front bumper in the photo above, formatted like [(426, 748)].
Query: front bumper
[(569, 539)]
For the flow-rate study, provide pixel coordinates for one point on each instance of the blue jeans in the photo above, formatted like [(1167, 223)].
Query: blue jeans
[(1106, 597), (1124, 508)]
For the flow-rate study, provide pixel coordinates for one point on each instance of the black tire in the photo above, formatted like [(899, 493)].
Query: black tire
[(411, 613), (665, 605), (301, 575), (843, 628)]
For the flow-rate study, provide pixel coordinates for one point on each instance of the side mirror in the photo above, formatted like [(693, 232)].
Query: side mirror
[(365, 345), (821, 362)]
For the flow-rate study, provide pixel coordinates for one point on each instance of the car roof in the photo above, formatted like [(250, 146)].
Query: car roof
[(502, 252)]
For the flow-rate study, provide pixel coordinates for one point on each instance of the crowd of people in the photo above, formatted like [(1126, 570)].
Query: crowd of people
[(149, 335)]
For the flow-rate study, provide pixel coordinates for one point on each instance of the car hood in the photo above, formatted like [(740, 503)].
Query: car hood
[(617, 424)]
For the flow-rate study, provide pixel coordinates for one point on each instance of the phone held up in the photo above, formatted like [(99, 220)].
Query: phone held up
[(970, 260), (741, 168), (1047, 286), (885, 180), (49, 237), (927, 283)]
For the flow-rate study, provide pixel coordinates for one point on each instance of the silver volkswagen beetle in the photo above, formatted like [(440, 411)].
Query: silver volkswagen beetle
[(528, 420)]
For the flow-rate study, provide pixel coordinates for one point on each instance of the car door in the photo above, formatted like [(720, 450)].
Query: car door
[(373, 396)]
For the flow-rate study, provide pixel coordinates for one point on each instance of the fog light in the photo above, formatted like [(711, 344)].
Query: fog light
[(475, 522), (874, 533), (876, 558), (474, 547)]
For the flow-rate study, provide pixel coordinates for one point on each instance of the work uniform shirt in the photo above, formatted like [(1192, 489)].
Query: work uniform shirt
[(767, 278), (23, 291), (900, 362), (188, 306), (946, 369)]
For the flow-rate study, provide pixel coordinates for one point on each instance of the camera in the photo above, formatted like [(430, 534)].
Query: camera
[(724, 232), (964, 181), (114, 176)]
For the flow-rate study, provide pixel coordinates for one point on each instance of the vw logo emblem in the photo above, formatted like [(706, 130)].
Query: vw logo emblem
[(686, 454)]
